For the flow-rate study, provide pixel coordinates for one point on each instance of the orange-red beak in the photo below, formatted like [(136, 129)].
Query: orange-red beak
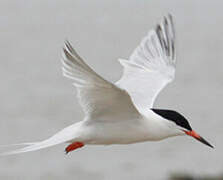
[(198, 137)]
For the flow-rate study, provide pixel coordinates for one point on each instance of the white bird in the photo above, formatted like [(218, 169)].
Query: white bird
[(123, 113)]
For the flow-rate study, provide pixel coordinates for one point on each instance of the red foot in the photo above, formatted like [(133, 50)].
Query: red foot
[(73, 146)]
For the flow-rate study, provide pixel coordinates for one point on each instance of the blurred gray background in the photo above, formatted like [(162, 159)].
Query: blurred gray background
[(36, 101)]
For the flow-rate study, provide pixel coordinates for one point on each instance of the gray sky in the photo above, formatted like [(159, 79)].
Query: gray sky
[(36, 101)]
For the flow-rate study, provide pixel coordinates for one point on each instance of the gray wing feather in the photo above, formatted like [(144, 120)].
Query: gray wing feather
[(151, 66)]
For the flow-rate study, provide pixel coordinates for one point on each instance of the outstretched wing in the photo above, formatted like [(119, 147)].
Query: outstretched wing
[(98, 97), (151, 66)]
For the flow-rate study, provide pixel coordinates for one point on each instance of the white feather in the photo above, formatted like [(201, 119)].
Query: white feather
[(151, 66), (96, 95), (110, 115)]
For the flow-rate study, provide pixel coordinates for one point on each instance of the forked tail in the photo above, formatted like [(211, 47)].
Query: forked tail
[(32, 146), (68, 134)]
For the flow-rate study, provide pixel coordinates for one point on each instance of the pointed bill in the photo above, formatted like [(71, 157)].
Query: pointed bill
[(198, 137)]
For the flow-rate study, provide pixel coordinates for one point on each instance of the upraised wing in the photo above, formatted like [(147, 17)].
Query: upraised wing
[(98, 97), (151, 66)]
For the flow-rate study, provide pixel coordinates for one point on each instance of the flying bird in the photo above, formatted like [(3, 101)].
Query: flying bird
[(123, 113)]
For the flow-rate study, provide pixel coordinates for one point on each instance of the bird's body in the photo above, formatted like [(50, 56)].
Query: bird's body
[(123, 113), (121, 131)]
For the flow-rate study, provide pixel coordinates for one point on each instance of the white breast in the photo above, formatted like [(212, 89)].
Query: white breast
[(125, 132)]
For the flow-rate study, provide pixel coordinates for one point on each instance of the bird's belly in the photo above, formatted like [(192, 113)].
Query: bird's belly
[(126, 132)]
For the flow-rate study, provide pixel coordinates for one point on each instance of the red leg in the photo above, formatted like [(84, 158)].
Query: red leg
[(74, 146)]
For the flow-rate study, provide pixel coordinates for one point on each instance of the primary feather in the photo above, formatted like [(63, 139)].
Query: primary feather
[(151, 66), (96, 95)]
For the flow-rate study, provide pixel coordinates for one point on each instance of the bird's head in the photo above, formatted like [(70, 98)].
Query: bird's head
[(181, 124)]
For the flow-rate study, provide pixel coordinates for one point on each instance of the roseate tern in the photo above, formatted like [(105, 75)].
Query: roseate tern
[(123, 113)]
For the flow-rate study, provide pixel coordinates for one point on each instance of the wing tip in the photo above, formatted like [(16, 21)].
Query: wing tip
[(67, 44)]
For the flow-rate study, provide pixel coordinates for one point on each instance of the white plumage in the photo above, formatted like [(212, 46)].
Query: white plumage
[(120, 113), (151, 66), (97, 96)]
